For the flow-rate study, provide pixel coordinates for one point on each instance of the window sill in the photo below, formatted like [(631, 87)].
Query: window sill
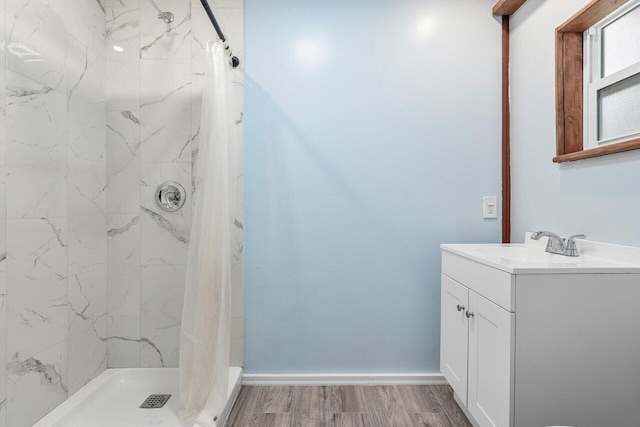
[(620, 147)]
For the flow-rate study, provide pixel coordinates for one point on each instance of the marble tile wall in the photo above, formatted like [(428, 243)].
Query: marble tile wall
[(53, 200), (92, 118), (154, 80), (3, 224)]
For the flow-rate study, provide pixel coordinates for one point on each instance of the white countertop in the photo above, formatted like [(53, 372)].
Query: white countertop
[(531, 258)]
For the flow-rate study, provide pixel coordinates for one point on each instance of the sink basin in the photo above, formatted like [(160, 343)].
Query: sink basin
[(526, 255)]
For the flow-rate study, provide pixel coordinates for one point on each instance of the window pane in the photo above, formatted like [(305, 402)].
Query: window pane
[(619, 109), (621, 43)]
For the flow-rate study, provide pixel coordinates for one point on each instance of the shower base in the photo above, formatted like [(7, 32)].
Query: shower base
[(114, 397)]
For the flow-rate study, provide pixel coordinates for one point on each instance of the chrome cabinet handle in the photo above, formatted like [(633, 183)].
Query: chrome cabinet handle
[(469, 314), (460, 307)]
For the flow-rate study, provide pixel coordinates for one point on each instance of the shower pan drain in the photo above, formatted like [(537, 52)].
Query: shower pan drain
[(155, 401)]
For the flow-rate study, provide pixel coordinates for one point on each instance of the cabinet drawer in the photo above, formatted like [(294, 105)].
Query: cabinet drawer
[(495, 285)]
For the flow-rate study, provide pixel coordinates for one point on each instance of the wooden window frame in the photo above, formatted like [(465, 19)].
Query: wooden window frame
[(570, 85)]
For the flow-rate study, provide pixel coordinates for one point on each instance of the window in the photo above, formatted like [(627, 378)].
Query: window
[(598, 81), (612, 78)]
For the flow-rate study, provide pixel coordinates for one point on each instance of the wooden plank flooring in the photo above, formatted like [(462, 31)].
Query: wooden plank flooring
[(347, 406)]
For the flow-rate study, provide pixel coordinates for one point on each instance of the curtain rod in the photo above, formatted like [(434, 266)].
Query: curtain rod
[(233, 60)]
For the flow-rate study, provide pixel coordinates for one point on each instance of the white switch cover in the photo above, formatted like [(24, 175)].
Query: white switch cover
[(489, 207)]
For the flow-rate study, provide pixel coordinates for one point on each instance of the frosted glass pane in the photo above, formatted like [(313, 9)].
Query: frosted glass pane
[(619, 109), (621, 43)]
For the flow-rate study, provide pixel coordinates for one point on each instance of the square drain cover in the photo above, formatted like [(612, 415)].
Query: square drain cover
[(155, 401)]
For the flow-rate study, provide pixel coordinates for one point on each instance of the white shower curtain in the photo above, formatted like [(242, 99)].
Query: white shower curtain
[(206, 321)]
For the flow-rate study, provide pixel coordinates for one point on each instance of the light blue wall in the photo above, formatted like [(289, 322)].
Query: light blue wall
[(599, 197), (372, 131)]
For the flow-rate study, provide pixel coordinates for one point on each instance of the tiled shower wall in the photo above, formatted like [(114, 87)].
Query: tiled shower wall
[(53, 203), (91, 273), (154, 94)]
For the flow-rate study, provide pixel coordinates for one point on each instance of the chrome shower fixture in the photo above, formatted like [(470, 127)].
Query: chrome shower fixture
[(167, 17)]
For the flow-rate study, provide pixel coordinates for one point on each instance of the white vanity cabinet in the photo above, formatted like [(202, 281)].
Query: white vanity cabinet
[(530, 339), (476, 353)]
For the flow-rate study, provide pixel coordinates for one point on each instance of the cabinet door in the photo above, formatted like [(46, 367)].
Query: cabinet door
[(491, 344), (454, 336)]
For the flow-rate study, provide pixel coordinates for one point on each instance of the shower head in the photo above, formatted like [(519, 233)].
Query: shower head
[(167, 17)]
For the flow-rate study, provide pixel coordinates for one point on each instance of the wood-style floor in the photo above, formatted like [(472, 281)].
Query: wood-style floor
[(347, 406)]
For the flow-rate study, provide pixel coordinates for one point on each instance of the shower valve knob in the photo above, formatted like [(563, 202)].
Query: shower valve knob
[(170, 196)]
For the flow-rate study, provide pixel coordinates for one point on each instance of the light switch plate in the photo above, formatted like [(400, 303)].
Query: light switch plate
[(489, 207)]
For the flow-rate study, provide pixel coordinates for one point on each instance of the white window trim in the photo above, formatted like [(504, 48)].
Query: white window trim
[(593, 82)]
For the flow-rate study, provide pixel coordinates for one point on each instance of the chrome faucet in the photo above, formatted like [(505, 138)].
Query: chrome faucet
[(558, 245)]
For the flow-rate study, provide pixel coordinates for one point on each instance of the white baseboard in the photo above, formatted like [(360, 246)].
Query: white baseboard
[(341, 379)]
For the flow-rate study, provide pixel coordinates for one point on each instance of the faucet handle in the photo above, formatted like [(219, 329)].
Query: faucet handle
[(571, 249)]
